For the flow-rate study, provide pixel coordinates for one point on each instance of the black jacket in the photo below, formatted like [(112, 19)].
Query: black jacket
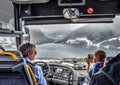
[(108, 75)]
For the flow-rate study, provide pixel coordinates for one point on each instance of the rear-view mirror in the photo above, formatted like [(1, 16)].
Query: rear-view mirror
[(71, 13)]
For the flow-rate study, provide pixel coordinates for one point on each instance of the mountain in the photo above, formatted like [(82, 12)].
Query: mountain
[(93, 32), (41, 37), (111, 43), (99, 35)]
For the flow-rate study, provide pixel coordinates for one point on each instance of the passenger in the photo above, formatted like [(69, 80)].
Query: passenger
[(29, 52), (98, 58), (108, 75)]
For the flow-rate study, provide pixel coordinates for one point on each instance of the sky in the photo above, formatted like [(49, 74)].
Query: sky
[(6, 10)]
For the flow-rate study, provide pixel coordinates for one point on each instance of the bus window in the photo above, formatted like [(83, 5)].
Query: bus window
[(8, 43)]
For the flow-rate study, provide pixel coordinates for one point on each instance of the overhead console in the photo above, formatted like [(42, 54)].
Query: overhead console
[(65, 11)]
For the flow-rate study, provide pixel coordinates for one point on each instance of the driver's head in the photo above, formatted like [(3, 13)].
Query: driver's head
[(99, 55), (28, 50)]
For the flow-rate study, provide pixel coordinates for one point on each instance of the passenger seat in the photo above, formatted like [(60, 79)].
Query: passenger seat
[(14, 70)]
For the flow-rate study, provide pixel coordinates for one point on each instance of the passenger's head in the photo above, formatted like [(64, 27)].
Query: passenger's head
[(28, 50), (99, 55)]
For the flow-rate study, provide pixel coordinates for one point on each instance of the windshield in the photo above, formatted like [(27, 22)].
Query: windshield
[(75, 40)]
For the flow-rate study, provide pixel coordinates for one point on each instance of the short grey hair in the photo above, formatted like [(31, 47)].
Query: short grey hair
[(25, 48)]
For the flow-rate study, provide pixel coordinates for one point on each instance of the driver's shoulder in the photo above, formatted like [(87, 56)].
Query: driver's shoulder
[(36, 67)]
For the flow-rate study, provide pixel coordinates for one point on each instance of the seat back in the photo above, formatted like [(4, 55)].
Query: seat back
[(32, 75), (29, 66), (13, 70)]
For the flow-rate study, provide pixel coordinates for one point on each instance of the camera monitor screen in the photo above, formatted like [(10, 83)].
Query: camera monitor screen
[(71, 2), (59, 70)]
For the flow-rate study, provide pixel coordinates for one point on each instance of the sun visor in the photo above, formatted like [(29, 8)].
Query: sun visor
[(29, 1)]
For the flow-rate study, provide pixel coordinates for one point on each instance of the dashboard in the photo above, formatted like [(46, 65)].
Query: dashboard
[(62, 74)]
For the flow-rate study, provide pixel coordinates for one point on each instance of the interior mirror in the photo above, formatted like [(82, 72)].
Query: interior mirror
[(71, 13)]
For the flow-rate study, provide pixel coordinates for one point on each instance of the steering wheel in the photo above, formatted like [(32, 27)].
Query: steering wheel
[(45, 67)]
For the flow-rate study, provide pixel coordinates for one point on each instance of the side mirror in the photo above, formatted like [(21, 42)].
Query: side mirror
[(26, 35), (71, 13)]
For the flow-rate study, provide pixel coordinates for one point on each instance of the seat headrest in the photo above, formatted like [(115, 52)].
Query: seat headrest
[(17, 53), (4, 55)]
